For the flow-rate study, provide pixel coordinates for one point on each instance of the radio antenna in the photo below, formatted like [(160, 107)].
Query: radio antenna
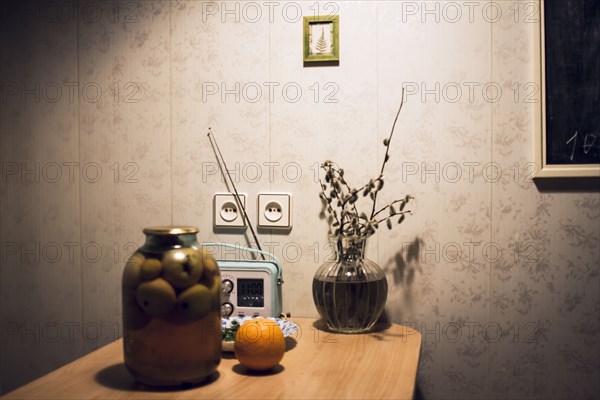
[(220, 159)]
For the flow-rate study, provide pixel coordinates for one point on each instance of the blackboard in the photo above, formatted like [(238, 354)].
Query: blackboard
[(572, 81)]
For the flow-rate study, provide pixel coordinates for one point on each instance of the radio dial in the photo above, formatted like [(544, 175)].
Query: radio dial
[(226, 309), (227, 286)]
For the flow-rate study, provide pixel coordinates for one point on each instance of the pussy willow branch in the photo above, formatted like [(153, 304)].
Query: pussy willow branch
[(394, 215), (350, 190), (328, 200), (343, 181), (342, 202), (385, 159), (336, 189), (392, 203)]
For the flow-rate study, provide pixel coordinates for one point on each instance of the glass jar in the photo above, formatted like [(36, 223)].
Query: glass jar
[(171, 309), (350, 291)]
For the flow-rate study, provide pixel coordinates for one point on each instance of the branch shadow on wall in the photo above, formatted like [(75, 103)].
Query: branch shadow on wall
[(404, 267)]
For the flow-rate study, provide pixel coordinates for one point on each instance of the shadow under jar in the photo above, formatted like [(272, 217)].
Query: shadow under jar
[(350, 291), (171, 309)]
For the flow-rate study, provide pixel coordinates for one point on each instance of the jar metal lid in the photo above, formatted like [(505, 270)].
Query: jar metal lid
[(170, 230)]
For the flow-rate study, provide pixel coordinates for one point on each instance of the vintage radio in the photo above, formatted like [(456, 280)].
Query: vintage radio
[(249, 287)]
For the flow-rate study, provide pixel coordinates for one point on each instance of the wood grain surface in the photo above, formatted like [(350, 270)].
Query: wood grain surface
[(317, 364)]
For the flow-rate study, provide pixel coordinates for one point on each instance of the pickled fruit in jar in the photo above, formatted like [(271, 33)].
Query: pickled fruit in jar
[(182, 267), (132, 274), (210, 267), (151, 268), (194, 303), (156, 297), (171, 309)]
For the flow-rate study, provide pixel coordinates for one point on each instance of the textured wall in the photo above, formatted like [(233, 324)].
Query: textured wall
[(103, 117)]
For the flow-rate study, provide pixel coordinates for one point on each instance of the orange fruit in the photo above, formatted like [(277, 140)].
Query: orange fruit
[(259, 344)]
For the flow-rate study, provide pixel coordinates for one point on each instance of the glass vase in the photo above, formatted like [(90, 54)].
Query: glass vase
[(171, 309), (350, 291)]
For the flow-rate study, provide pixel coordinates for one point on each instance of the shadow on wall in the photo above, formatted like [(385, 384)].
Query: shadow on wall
[(407, 263), (403, 267)]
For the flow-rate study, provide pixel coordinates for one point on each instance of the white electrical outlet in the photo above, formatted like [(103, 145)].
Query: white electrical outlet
[(274, 211), (227, 213)]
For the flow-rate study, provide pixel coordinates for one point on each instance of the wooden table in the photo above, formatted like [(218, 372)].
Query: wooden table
[(317, 364)]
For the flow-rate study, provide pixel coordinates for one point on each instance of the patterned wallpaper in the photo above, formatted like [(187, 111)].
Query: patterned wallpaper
[(103, 120)]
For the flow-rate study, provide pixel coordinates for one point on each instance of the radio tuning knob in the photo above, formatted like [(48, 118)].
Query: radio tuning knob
[(226, 309), (226, 286)]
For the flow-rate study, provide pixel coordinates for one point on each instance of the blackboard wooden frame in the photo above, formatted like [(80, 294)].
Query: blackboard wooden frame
[(545, 170)]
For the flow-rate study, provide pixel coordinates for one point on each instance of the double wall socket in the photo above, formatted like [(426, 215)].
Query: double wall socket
[(227, 213), (274, 211)]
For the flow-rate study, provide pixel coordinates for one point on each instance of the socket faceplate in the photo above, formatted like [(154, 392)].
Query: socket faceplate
[(226, 211), (274, 211)]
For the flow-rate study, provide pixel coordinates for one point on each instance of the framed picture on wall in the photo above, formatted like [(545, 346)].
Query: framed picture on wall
[(567, 139), (321, 40)]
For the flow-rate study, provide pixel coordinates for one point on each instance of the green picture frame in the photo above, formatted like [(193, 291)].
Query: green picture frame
[(322, 40)]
